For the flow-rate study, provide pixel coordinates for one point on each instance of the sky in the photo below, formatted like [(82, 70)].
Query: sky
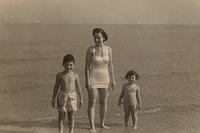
[(101, 11)]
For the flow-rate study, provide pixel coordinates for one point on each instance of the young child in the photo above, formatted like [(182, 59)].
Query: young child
[(67, 82), (130, 98)]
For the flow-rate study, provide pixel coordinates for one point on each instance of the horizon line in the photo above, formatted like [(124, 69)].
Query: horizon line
[(85, 23)]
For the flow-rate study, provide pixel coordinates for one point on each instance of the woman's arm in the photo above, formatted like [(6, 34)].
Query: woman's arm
[(87, 68), (111, 69)]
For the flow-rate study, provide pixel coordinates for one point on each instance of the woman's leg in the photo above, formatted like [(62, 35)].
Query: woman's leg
[(134, 116), (103, 98), (70, 116), (92, 96), (61, 118)]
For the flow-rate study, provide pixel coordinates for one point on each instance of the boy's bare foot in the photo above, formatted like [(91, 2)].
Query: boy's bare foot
[(106, 127), (93, 130)]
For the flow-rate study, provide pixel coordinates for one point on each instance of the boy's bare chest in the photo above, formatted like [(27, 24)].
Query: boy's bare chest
[(68, 79)]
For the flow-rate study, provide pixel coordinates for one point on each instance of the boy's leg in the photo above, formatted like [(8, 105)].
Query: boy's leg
[(134, 116), (61, 119), (127, 114), (70, 116), (92, 96), (103, 98)]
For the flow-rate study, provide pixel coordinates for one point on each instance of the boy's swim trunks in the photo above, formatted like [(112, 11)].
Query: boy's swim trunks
[(67, 102)]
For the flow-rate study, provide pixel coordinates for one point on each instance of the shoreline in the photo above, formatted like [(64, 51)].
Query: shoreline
[(173, 119)]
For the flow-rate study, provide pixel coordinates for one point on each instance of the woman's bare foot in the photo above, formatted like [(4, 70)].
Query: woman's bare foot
[(106, 127), (134, 127), (93, 130)]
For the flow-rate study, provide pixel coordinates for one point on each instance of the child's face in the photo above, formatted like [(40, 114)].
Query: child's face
[(68, 66), (132, 78), (98, 38)]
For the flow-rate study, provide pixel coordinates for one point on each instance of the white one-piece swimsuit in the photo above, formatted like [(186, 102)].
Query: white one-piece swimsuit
[(99, 75)]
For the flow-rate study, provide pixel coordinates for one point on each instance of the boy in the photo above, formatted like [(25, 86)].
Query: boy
[(65, 87)]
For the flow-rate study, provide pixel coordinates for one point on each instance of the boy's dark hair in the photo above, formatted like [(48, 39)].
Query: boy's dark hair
[(68, 58), (131, 73), (99, 30)]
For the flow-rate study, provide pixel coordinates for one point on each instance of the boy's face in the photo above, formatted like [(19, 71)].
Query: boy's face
[(132, 79), (68, 65)]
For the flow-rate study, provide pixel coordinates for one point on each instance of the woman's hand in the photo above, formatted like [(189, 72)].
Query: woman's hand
[(120, 103), (53, 103), (112, 85)]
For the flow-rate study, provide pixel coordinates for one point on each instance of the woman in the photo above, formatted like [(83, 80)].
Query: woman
[(99, 76)]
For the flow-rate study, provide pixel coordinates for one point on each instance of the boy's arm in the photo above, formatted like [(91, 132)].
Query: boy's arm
[(78, 87), (121, 96), (138, 97), (55, 90)]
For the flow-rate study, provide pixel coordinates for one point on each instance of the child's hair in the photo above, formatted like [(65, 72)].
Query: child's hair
[(68, 58), (99, 30), (131, 73)]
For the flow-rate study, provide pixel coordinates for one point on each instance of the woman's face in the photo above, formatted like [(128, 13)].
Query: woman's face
[(98, 38)]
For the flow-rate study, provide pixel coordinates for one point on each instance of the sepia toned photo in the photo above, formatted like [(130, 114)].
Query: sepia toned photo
[(99, 66)]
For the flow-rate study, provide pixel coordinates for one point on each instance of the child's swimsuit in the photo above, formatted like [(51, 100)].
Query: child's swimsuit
[(99, 75), (67, 102), (130, 95)]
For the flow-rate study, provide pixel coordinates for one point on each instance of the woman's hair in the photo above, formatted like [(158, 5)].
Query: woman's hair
[(99, 30), (68, 58), (131, 73)]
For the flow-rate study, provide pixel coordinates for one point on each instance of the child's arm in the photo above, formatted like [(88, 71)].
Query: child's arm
[(121, 97), (78, 87), (138, 98), (55, 90)]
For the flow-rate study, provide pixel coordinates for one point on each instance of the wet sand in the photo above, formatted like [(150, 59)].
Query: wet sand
[(176, 119)]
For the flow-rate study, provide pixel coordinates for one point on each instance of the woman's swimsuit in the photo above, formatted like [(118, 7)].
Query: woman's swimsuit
[(99, 75)]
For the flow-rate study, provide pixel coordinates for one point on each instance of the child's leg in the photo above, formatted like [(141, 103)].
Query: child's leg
[(127, 114), (61, 119), (70, 116), (134, 116)]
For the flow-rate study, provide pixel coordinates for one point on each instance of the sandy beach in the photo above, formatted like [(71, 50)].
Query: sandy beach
[(166, 57)]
